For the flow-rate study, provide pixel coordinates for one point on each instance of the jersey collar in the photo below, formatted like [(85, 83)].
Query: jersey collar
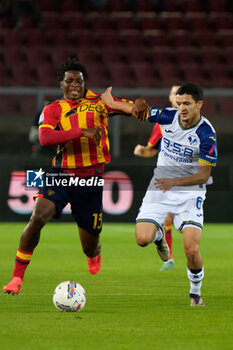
[(190, 127)]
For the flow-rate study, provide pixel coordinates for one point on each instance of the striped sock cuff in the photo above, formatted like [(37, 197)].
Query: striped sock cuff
[(168, 228), (23, 257), (195, 277)]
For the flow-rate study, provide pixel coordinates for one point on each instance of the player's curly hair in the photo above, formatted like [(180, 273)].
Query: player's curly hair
[(71, 64), (191, 89)]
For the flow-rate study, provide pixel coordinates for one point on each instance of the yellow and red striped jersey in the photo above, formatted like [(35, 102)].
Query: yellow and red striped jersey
[(87, 112)]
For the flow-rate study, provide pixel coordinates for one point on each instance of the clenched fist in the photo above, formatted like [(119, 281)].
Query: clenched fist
[(94, 133), (140, 109)]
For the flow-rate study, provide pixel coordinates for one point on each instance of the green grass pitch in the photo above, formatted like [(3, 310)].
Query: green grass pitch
[(130, 303)]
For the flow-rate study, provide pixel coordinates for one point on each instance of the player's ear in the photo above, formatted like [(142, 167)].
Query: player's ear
[(61, 84), (200, 104)]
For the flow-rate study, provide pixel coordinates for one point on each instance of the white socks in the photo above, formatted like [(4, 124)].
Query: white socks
[(158, 235), (195, 281)]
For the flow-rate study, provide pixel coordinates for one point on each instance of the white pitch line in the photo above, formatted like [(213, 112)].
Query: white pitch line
[(95, 294)]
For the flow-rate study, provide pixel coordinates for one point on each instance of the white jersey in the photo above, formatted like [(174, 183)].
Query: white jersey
[(181, 148), (180, 151)]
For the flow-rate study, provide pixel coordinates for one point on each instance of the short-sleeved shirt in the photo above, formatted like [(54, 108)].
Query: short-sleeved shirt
[(182, 149)]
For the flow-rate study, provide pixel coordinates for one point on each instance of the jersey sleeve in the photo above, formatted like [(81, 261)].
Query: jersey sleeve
[(162, 115), (49, 116), (208, 151), (208, 145), (155, 135), (48, 122), (113, 112)]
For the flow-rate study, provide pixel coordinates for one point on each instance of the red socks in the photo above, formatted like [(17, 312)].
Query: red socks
[(21, 263), (169, 238)]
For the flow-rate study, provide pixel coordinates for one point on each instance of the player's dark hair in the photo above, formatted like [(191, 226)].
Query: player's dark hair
[(191, 89), (71, 64), (177, 83)]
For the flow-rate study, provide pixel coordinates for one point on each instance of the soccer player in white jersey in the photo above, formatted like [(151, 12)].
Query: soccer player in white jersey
[(187, 153), (150, 151)]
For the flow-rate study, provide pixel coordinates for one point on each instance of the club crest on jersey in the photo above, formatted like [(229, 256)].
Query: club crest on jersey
[(192, 140), (153, 111), (41, 119), (51, 192)]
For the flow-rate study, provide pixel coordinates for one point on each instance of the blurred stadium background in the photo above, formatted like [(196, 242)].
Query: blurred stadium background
[(139, 47)]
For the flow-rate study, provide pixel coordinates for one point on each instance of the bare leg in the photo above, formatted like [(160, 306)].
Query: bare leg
[(168, 220), (195, 268), (91, 247), (90, 243), (145, 233), (192, 236), (43, 211)]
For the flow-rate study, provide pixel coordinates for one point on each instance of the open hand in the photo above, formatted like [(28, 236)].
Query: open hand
[(106, 97), (165, 184)]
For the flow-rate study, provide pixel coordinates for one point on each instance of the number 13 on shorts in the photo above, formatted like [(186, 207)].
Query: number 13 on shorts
[(97, 220)]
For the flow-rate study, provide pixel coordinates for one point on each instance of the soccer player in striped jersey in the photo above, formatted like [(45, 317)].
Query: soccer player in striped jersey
[(187, 153), (78, 125), (150, 151)]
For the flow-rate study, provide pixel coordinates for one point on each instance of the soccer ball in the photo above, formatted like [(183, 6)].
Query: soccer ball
[(69, 296)]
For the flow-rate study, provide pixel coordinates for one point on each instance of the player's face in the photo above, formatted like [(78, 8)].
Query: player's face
[(172, 95), (189, 109), (73, 85)]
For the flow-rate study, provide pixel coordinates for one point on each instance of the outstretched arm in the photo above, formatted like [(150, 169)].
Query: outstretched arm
[(145, 151), (108, 100), (138, 109)]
